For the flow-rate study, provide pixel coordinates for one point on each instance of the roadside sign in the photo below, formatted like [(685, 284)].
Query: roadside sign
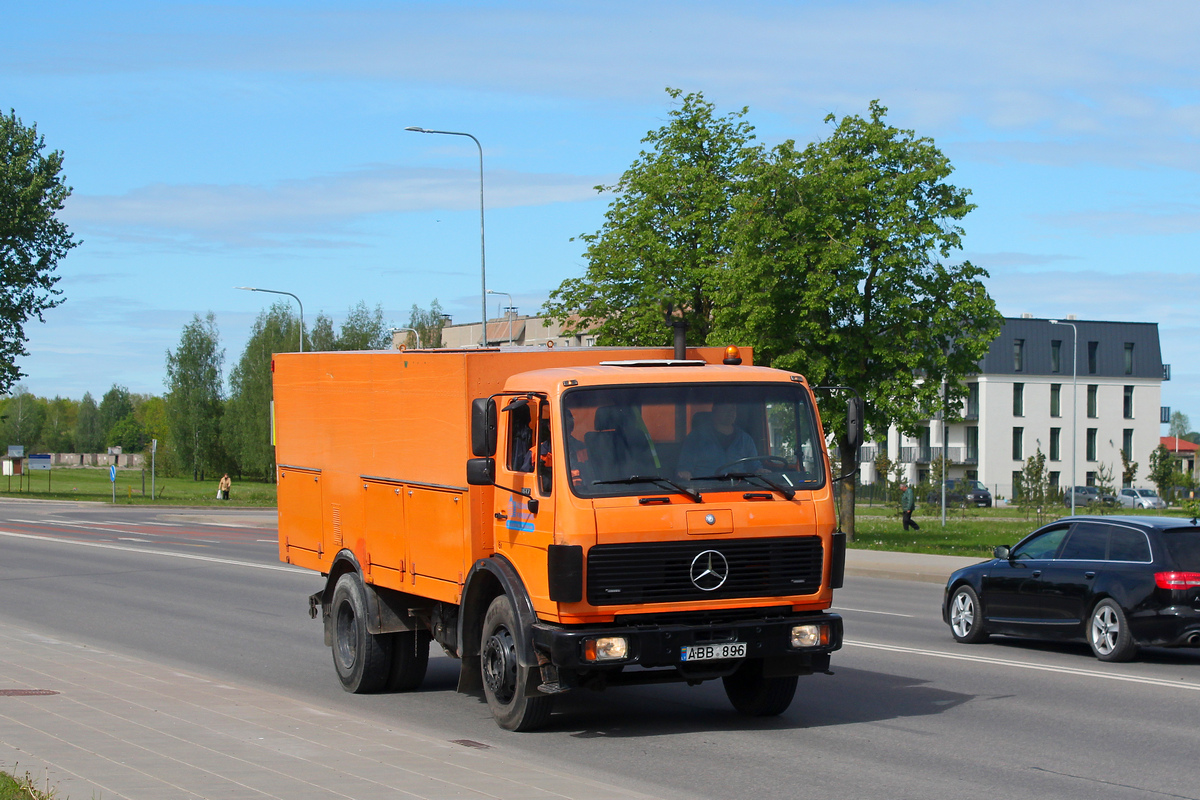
[(16, 451), (39, 461), (112, 473)]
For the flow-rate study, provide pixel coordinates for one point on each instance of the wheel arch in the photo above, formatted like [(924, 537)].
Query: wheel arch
[(488, 579), (344, 562)]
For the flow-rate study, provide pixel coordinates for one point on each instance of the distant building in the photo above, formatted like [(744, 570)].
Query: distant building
[(1182, 452), (520, 331), (1023, 398)]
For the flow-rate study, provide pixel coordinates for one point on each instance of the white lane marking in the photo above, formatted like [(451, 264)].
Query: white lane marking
[(272, 541), (130, 539), (865, 611), (1004, 662), (147, 551)]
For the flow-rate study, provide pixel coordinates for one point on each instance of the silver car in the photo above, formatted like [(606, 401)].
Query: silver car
[(1140, 498)]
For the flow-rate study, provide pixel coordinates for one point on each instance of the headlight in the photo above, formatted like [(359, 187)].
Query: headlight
[(605, 648), (809, 635)]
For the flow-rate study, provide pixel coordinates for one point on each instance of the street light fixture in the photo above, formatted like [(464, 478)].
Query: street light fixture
[(289, 294), (413, 331), (1074, 403), (507, 313), (482, 260)]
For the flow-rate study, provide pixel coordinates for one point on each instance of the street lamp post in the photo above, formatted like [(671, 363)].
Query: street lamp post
[(413, 331), (482, 259), (1074, 403), (507, 313), (289, 294)]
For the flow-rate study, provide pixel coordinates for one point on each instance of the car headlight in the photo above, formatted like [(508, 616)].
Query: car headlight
[(809, 635), (606, 648)]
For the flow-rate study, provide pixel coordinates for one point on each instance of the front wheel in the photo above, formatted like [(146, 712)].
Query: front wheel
[(509, 687), (362, 659), (966, 616), (1109, 634), (756, 695)]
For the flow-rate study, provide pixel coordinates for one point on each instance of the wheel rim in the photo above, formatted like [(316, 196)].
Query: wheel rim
[(347, 636), (1105, 630), (962, 614), (499, 661)]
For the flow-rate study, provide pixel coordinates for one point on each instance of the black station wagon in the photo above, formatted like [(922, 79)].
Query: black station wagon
[(1116, 582)]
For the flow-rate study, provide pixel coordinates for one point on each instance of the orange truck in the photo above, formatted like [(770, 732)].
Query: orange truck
[(562, 519)]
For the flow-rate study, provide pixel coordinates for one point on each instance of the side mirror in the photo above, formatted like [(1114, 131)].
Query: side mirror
[(854, 423), (1001, 552), (481, 471), (483, 429)]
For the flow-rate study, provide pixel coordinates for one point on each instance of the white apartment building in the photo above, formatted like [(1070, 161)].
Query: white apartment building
[(1032, 393)]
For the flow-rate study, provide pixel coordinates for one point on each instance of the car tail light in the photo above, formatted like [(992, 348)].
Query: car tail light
[(1177, 580)]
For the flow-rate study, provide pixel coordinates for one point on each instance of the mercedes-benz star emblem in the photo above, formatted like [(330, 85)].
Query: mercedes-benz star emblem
[(709, 571)]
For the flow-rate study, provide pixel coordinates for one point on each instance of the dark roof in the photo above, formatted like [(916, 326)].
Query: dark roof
[(1157, 523), (1110, 339)]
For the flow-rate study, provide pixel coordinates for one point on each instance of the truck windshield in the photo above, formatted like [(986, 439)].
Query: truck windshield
[(628, 440)]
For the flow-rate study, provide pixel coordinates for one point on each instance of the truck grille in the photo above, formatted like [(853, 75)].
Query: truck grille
[(662, 572)]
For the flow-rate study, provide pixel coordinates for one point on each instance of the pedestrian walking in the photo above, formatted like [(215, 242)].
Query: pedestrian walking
[(908, 504), (224, 486)]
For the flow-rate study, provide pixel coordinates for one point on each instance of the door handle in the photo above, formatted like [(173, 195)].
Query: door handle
[(1036, 573), (1089, 575)]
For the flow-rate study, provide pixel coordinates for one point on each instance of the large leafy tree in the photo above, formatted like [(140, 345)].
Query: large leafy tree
[(89, 436), (246, 427), (664, 245), (194, 397), (115, 406), (32, 238), (428, 323), (363, 329), (845, 274), (23, 417)]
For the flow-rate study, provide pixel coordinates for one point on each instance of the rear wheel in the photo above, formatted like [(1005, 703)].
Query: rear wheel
[(410, 659), (966, 616), (1109, 634), (362, 659), (756, 695), (510, 688)]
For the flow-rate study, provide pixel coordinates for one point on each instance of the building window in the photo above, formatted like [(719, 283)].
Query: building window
[(1054, 481), (1091, 444), (1018, 355), (973, 445), (1056, 355), (1093, 357), (1127, 443), (1129, 358), (1056, 399), (1018, 450), (1091, 479), (972, 401), (1016, 484), (1093, 389), (1128, 402), (1055, 444), (1018, 399)]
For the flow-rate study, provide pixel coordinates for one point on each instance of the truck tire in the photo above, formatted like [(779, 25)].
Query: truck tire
[(514, 704), (756, 695), (362, 659), (410, 659)]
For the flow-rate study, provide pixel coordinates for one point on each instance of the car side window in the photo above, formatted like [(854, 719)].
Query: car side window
[(1043, 545), (1088, 542), (1125, 544)]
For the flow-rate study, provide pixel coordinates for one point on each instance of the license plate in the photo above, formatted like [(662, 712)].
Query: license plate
[(713, 652)]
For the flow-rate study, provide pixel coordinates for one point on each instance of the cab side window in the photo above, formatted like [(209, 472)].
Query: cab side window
[(545, 460), (1044, 545), (520, 438)]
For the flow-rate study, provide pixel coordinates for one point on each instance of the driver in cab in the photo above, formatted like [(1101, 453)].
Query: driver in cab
[(714, 443)]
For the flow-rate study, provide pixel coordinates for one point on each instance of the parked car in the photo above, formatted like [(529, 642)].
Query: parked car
[(1116, 582), (1140, 498), (962, 491), (1086, 495)]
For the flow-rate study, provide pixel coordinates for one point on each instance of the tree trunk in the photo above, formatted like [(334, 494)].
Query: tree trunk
[(846, 491)]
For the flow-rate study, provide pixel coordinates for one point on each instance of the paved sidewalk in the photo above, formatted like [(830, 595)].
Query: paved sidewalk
[(904, 566), (119, 727)]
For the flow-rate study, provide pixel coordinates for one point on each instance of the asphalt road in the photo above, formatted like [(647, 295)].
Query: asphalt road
[(908, 713)]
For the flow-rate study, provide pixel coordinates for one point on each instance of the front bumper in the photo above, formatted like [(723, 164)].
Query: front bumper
[(661, 645)]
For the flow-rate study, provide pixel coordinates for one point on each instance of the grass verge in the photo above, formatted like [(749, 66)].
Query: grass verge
[(133, 487), (14, 788)]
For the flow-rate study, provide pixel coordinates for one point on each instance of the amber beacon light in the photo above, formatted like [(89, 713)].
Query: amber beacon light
[(733, 356)]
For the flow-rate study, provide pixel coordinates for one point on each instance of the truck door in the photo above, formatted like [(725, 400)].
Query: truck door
[(527, 463)]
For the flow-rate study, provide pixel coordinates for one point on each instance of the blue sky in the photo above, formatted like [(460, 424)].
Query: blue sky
[(263, 144)]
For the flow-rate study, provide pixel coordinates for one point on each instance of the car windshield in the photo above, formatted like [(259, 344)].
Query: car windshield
[(1147, 493), (629, 440), (974, 485), (1184, 546)]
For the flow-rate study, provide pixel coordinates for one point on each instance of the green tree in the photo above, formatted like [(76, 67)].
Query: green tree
[(127, 434), (364, 329), (1106, 483), (1161, 471), (322, 337), (58, 432), (89, 438), (23, 417), (665, 242), (194, 397), (246, 427), (115, 407), (844, 274), (1128, 469), (1034, 493), (427, 323), (32, 238), (1179, 424)]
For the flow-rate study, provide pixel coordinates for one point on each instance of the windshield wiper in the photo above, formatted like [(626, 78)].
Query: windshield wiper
[(659, 481), (787, 492)]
